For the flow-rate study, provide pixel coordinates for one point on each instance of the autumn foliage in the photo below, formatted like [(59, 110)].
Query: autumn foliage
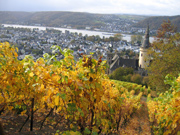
[(80, 93), (164, 56), (164, 111)]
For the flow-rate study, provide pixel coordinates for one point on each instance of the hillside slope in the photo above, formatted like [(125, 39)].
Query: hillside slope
[(54, 18), (155, 22), (60, 18), (82, 19)]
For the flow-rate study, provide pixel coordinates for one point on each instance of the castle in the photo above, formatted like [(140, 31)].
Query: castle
[(114, 60)]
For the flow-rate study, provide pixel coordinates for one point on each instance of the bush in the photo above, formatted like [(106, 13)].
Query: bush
[(122, 73), (136, 78), (145, 81)]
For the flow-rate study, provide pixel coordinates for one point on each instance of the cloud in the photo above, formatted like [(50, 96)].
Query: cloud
[(157, 7)]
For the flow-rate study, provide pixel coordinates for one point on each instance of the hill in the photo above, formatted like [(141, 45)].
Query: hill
[(50, 18), (155, 22), (80, 20), (60, 18)]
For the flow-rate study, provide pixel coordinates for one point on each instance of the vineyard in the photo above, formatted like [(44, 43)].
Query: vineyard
[(76, 97), (136, 87), (164, 111)]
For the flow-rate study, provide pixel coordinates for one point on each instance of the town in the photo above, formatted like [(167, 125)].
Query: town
[(38, 42)]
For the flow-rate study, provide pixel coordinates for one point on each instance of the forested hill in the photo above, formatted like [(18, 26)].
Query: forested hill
[(50, 18), (60, 18), (155, 22), (82, 19)]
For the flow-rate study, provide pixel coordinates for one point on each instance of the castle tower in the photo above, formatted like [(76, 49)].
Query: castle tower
[(143, 60), (109, 60)]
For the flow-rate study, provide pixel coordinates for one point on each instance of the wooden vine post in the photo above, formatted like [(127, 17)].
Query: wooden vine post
[(32, 106)]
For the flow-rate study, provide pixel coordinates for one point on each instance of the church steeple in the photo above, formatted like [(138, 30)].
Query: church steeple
[(143, 56), (146, 38)]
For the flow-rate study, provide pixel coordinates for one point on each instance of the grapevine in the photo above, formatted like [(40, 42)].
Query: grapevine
[(164, 111), (78, 92)]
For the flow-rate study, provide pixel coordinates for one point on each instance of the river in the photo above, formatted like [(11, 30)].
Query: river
[(84, 32)]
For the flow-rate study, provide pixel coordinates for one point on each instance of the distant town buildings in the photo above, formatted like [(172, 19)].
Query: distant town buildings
[(38, 42)]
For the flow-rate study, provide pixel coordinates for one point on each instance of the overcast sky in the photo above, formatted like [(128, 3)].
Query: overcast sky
[(143, 7)]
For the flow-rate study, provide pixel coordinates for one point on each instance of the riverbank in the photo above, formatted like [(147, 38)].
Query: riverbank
[(84, 32)]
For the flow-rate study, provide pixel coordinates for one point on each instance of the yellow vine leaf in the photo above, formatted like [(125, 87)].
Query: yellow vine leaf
[(56, 100), (23, 112), (31, 74)]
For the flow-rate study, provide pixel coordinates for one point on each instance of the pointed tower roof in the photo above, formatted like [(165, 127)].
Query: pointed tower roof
[(146, 39)]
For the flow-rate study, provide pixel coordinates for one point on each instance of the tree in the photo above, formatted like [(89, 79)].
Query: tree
[(122, 73), (136, 39), (164, 53), (133, 39), (106, 40), (136, 78), (118, 36), (91, 38), (111, 39), (98, 38), (145, 81), (80, 34), (72, 41), (139, 39)]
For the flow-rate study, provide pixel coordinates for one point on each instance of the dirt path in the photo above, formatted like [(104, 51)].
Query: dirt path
[(139, 124)]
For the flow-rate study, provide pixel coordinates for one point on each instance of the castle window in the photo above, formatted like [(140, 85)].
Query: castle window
[(141, 54)]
